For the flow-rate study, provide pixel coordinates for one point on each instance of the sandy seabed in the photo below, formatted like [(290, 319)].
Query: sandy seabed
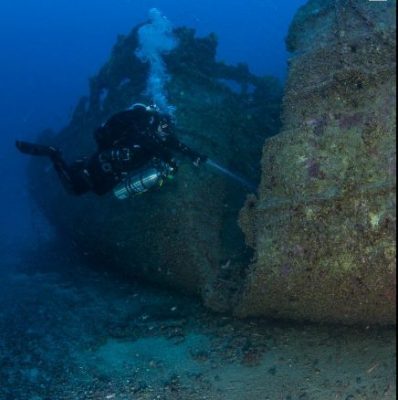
[(78, 334)]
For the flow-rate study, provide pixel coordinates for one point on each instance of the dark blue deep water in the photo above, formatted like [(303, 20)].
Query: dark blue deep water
[(70, 333)]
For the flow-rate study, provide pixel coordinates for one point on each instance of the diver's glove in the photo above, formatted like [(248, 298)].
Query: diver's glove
[(196, 158)]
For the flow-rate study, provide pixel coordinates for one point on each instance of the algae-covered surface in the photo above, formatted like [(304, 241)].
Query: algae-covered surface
[(323, 225), (80, 335)]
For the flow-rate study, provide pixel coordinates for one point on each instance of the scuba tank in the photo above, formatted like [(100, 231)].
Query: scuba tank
[(153, 175)]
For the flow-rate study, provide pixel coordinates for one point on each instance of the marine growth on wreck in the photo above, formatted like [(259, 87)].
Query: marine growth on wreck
[(323, 224), (320, 231)]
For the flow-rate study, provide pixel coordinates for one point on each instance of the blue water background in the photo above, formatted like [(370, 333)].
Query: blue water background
[(49, 50)]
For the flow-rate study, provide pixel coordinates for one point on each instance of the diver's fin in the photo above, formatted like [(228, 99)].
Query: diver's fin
[(34, 149)]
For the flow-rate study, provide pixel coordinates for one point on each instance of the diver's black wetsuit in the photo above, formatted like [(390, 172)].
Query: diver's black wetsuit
[(127, 141)]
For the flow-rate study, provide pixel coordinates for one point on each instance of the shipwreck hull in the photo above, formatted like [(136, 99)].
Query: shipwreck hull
[(179, 236), (323, 225)]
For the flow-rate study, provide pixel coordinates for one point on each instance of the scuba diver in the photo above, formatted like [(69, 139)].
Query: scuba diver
[(135, 152)]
